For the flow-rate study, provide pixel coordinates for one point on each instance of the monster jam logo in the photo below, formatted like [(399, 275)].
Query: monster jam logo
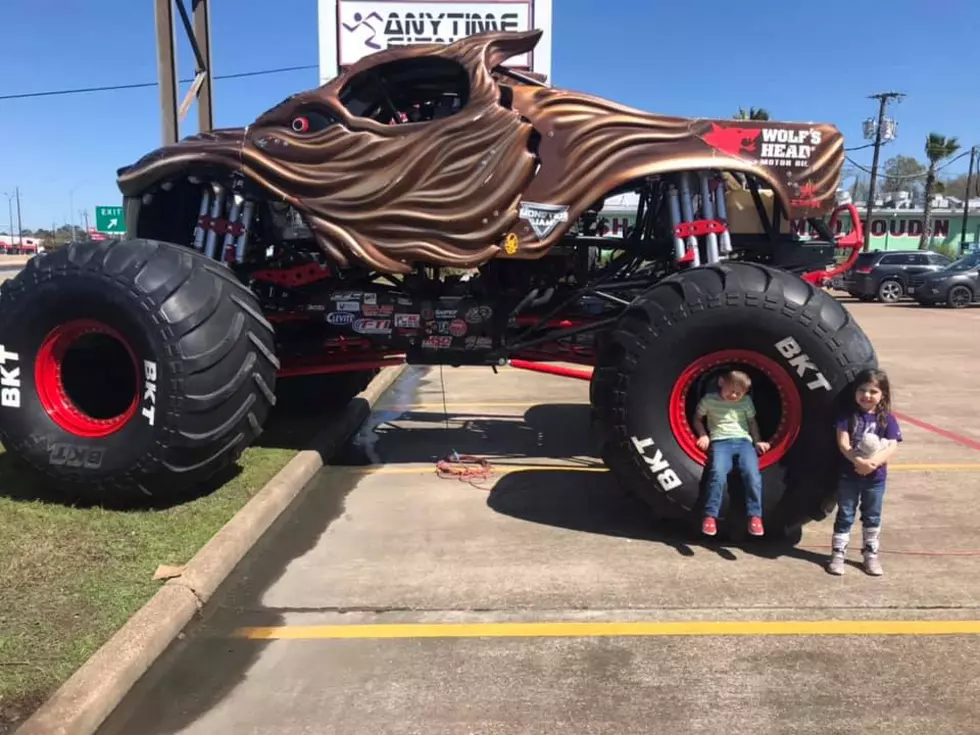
[(543, 218)]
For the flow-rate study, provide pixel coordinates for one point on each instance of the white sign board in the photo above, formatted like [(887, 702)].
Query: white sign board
[(352, 29)]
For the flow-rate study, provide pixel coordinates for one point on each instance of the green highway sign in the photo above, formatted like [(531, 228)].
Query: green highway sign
[(110, 220)]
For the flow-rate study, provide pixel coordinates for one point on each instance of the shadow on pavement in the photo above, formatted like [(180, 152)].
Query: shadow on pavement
[(592, 502), (546, 431)]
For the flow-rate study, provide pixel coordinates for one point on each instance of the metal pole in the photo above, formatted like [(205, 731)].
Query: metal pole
[(20, 228), (883, 97), (166, 69), (966, 198), (202, 33), (10, 213), (71, 209)]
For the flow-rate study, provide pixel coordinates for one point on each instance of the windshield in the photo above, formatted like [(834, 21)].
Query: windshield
[(970, 262)]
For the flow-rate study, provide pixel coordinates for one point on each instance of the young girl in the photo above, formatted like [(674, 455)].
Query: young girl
[(868, 436)]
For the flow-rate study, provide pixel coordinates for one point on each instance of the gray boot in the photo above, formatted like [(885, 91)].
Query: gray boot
[(872, 565), (838, 551)]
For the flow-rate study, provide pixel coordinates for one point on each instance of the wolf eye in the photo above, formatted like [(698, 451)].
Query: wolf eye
[(311, 122)]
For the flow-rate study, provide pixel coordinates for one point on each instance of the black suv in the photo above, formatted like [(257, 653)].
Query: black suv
[(885, 275), (957, 285)]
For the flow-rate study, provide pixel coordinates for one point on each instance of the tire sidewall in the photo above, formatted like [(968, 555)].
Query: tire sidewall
[(665, 467), (29, 318)]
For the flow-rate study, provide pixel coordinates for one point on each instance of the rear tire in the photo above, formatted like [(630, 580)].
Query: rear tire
[(890, 291), (802, 349), (189, 355)]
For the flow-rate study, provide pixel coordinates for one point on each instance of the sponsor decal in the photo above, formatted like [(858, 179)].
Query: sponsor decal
[(149, 390), (370, 298), (340, 318), (458, 327), (70, 455), (510, 243), (543, 218), (383, 310), (373, 326), (349, 306), (657, 464), (478, 314), (403, 301), (801, 362), (446, 313), (345, 296), (437, 343), (478, 343), (316, 307), (427, 314), (408, 321), (768, 146), (9, 379)]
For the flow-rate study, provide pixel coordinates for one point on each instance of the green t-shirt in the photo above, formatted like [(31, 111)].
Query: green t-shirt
[(727, 419)]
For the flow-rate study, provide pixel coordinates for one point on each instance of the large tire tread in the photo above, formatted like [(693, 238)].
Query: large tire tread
[(218, 348), (656, 320)]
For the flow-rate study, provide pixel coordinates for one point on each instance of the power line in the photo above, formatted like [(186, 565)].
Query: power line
[(144, 85), (908, 176)]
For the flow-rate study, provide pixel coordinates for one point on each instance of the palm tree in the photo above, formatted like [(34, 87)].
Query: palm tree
[(754, 113), (938, 148)]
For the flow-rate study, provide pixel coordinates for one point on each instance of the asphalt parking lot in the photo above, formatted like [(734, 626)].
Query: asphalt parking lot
[(543, 601)]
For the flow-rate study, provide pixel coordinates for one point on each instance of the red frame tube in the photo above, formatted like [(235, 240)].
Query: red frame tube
[(853, 240), (543, 367)]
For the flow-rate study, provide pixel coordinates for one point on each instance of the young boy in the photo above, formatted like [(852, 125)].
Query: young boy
[(732, 432)]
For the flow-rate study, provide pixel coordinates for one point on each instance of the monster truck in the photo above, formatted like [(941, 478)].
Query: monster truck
[(434, 206)]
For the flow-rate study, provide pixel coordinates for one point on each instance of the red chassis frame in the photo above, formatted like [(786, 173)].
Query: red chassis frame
[(351, 355)]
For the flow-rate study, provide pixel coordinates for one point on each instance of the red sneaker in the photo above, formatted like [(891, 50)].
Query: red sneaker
[(755, 526), (709, 527)]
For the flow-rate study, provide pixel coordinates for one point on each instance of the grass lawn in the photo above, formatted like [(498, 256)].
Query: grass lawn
[(70, 577)]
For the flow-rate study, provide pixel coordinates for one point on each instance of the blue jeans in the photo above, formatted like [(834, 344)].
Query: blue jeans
[(723, 453), (855, 491)]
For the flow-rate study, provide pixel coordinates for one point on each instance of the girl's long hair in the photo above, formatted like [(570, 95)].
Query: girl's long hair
[(878, 378)]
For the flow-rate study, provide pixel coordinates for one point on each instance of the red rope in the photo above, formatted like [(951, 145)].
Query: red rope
[(464, 467)]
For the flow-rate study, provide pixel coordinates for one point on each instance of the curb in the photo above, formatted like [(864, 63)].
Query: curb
[(88, 697)]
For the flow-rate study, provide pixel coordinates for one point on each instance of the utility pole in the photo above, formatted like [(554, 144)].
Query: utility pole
[(20, 229), (85, 215), (883, 98), (966, 198), (10, 214)]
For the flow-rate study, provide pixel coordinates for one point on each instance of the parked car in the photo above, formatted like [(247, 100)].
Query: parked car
[(885, 275), (957, 285)]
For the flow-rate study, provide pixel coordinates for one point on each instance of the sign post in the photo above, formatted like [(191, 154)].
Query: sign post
[(110, 220)]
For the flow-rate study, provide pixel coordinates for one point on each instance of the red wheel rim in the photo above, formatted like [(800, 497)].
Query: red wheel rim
[(49, 380), (791, 406)]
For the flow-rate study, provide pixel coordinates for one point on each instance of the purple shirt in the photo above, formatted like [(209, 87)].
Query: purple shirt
[(867, 422)]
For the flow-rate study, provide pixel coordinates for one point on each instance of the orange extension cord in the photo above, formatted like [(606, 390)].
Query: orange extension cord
[(464, 467)]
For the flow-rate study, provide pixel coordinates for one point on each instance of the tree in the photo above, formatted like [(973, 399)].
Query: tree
[(956, 186), (902, 173), (938, 149), (754, 113)]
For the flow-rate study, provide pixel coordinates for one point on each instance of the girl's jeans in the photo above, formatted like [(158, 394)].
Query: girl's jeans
[(723, 452), (852, 491)]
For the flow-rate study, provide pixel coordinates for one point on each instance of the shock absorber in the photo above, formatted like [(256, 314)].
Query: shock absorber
[(227, 218)]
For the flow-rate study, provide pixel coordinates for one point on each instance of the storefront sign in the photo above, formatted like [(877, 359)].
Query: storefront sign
[(368, 26)]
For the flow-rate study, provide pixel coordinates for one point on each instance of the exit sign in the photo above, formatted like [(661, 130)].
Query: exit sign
[(110, 220)]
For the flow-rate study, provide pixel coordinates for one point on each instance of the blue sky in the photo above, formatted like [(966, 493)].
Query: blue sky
[(801, 60)]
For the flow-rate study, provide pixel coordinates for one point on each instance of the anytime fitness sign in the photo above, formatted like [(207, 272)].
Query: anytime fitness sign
[(367, 26)]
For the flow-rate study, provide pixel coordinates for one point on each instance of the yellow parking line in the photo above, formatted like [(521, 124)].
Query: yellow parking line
[(507, 469), (595, 629)]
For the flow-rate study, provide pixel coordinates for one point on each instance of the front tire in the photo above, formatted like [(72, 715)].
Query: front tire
[(800, 346), (143, 369), (959, 297)]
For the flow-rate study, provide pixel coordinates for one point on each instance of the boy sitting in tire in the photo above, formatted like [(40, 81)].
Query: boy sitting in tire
[(732, 433)]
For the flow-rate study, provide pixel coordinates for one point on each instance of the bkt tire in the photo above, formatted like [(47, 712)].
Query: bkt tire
[(131, 370), (799, 345)]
